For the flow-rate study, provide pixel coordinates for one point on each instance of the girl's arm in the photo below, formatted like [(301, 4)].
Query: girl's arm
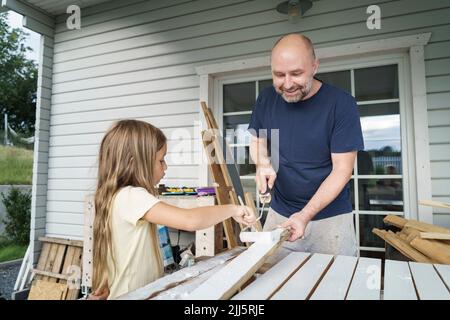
[(197, 218)]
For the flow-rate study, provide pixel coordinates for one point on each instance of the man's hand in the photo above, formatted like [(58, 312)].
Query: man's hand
[(296, 224), (265, 176)]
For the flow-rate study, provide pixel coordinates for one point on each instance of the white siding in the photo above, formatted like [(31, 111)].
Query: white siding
[(138, 61)]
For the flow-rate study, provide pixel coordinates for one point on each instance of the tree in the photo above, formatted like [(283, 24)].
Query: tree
[(18, 79)]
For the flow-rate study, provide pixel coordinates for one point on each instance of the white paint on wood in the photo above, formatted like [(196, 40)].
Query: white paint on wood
[(265, 285), (304, 281), (366, 282), (180, 276), (226, 282), (428, 283), (444, 272), (335, 283), (398, 284)]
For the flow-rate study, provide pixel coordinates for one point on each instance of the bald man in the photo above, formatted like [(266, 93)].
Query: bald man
[(309, 170)]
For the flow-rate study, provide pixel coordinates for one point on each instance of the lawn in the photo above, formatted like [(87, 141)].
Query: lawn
[(16, 165), (10, 251)]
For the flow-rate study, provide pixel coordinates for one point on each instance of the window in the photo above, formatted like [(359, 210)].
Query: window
[(378, 180)]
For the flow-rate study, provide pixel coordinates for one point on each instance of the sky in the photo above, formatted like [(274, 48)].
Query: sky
[(33, 38)]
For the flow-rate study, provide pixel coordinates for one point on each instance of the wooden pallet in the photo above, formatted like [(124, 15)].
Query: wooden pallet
[(58, 271), (418, 241)]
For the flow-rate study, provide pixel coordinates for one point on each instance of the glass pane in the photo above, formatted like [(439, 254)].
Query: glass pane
[(366, 223), (382, 140), (236, 128), (262, 84), (380, 194), (242, 159), (340, 79), (238, 97), (376, 83)]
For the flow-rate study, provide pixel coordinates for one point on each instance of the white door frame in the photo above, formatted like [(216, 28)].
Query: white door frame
[(413, 45)]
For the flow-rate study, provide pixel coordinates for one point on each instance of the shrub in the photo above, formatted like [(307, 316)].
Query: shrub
[(18, 213)]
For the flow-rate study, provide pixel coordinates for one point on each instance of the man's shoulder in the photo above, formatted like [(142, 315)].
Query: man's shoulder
[(337, 92)]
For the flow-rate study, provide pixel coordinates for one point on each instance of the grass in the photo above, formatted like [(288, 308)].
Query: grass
[(16, 165), (10, 251)]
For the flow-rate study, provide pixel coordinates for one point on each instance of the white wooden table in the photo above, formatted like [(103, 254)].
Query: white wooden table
[(302, 276)]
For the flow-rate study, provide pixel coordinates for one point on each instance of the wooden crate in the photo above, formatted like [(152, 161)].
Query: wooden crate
[(58, 271)]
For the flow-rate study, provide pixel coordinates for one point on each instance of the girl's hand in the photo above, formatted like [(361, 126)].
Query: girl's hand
[(244, 215), (100, 294)]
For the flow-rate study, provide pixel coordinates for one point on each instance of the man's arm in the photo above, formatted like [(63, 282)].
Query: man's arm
[(265, 174), (327, 192)]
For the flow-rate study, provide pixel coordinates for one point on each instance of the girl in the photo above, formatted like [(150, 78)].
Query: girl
[(126, 244)]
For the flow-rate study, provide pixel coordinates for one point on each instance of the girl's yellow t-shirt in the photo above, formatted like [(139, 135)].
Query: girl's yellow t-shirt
[(135, 257)]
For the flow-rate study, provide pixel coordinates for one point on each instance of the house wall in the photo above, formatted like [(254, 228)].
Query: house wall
[(137, 60)]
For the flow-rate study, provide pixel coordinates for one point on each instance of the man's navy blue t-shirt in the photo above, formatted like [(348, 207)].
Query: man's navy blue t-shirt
[(309, 131)]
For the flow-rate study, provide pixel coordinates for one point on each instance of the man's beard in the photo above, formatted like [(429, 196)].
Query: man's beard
[(303, 92)]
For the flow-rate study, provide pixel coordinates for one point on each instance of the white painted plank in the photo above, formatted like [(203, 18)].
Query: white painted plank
[(444, 272), (303, 282), (440, 134), (128, 101), (226, 282), (440, 169), (131, 112), (366, 282), (440, 187), (180, 276), (440, 152), (127, 89), (428, 283), (336, 281), (265, 285), (124, 78), (398, 284)]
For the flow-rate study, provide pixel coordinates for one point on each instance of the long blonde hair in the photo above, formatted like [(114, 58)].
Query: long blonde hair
[(127, 157)]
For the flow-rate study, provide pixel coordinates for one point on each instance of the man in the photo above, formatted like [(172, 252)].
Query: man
[(319, 136)]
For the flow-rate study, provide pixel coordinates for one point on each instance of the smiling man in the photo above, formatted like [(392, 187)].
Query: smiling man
[(319, 134)]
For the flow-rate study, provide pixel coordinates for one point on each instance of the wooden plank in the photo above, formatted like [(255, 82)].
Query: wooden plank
[(444, 272), (50, 274), (366, 282), (302, 284), (88, 236), (436, 250), (50, 260), (426, 227), (43, 258), (335, 283), (153, 289), (401, 245), (434, 204), (268, 283), (250, 203), (44, 290), (58, 262), (429, 285), (75, 243), (183, 290), (74, 286), (398, 284), (226, 282), (394, 220), (435, 235)]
